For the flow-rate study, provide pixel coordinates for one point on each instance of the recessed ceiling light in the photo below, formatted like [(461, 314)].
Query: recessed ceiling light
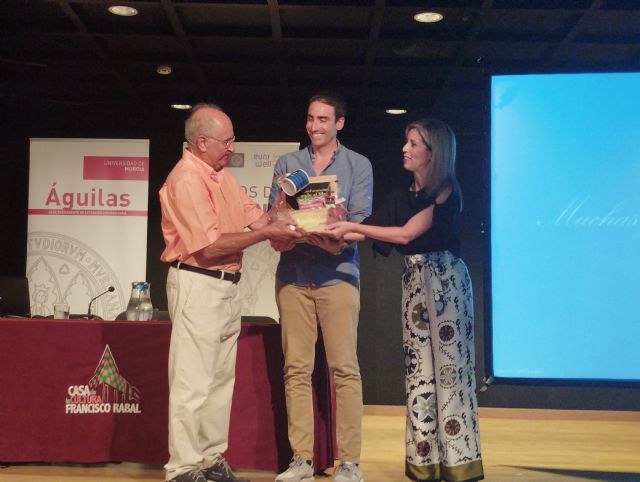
[(428, 17), (181, 106), (163, 69), (123, 11), (396, 111)]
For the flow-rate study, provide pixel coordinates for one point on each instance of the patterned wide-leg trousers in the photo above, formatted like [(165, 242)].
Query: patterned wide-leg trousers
[(442, 435)]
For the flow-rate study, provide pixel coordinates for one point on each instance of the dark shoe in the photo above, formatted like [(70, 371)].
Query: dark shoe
[(221, 472), (192, 476)]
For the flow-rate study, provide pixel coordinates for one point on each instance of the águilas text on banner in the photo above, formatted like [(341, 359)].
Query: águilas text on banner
[(88, 208), (94, 198)]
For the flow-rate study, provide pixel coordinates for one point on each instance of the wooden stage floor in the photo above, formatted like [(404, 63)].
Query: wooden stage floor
[(518, 445)]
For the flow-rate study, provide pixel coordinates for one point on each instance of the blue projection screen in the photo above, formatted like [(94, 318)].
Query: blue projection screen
[(565, 226)]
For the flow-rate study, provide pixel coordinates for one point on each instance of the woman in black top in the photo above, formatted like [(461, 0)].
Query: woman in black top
[(442, 436)]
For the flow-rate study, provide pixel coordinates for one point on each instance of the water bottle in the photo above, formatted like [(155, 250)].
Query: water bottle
[(134, 300), (140, 307), (145, 308)]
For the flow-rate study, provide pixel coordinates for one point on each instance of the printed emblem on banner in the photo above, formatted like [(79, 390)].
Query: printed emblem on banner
[(62, 269), (258, 267), (237, 160), (106, 391)]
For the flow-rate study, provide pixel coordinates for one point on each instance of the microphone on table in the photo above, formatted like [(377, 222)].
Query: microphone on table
[(110, 289)]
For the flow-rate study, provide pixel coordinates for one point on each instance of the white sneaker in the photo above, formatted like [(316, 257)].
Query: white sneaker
[(347, 472), (299, 470)]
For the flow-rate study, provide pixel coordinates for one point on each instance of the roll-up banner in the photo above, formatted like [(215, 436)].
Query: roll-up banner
[(252, 165), (87, 226)]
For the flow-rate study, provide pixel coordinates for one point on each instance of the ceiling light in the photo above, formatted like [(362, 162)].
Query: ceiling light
[(181, 106), (123, 11), (428, 17), (163, 69), (396, 111)]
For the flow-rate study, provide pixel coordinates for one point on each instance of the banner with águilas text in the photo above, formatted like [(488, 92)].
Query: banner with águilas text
[(87, 227), (252, 165)]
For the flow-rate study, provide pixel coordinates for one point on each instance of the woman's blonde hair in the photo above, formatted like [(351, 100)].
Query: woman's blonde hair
[(441, 141)]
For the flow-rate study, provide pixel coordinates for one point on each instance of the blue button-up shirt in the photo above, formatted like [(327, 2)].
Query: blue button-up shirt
[(307, 265)]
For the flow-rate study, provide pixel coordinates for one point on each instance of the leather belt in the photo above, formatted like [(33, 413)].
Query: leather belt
[(233, 276)]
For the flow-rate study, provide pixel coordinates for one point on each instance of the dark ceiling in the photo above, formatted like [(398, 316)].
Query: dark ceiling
[(262, 59)]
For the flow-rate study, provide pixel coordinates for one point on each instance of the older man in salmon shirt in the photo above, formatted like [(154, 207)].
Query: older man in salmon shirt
[(204, 215)]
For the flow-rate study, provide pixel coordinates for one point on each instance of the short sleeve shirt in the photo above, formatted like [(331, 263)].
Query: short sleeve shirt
[(198, 206)]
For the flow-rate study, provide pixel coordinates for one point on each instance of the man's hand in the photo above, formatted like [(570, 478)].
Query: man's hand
[(327, 242), (283, 245), (281, 231)]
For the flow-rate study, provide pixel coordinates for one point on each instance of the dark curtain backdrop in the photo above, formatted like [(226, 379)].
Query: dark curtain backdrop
[(380, 348)]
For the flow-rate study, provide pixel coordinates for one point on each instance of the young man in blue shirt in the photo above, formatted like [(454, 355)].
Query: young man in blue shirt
[(317, 283)]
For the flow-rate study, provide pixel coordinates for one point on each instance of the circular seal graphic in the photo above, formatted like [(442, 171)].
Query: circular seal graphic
[(257, 284), (61, 268), (236, 160)]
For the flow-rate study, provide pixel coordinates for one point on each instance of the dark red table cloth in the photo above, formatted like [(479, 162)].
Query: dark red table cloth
[(95, 391)]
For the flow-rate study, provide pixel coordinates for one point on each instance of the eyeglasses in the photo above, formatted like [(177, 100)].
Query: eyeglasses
[(226, 143)]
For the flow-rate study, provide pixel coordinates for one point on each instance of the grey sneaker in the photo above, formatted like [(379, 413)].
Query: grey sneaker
[(192, 476), (300, 470), (347, 472), (221, 472)]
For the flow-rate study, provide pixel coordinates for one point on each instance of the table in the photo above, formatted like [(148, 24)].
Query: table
[(96, 391)]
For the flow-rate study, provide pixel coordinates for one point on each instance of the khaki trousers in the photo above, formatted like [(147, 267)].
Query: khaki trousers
[(205, 314), (336, 309)]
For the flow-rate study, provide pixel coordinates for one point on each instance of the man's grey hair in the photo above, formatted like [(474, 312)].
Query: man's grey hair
[(194, 125)]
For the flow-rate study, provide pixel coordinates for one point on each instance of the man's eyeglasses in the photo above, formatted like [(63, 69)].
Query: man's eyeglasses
[(226, 143)]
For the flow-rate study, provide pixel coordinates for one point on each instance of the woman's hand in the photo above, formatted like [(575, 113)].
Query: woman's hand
[(340, 228), (336, 213)]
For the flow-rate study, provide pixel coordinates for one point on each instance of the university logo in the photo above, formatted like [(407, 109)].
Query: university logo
[(60, 268), (237, 160), (107, 391)]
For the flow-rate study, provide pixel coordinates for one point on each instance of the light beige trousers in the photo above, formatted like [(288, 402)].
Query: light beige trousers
[(205, 313), (336, 309)]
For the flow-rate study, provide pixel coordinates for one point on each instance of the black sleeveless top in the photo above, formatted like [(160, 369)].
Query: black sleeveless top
[(401, 205)]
